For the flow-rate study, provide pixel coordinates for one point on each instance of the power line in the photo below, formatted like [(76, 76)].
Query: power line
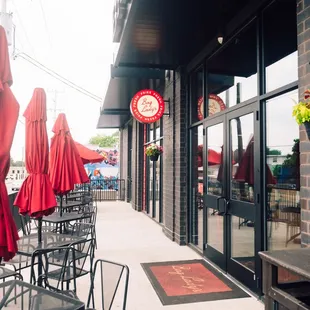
[(61, 77), (58, 77)]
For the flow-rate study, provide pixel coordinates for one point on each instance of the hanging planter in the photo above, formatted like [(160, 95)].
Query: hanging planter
[(154, 157), (301, 112), (153, 151)]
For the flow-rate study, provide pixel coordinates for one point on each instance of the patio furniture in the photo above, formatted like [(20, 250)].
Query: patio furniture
[(36, 298), (63, 265), (112, 277), (290, 293), (57, 218)]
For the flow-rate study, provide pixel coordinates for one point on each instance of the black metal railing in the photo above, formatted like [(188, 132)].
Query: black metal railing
[(108, 189)]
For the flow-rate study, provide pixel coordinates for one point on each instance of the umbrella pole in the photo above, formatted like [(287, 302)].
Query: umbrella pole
[(40, 267), (240, 142), (61, 205)]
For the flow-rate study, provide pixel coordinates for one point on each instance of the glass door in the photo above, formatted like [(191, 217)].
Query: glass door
[(214, 193), (242, 183), (231, 185)]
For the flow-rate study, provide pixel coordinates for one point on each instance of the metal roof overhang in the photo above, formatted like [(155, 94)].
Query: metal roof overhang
[(162, 35)]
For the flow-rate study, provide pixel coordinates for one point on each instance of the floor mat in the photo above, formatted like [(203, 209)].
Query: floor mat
[(181, 282)]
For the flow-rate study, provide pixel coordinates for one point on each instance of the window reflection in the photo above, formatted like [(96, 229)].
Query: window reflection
[(282, 158), (242, 158), (197, 187), (233, 71), (281, 59)]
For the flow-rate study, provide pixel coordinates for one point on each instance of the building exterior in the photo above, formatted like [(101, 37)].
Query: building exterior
[(257, 197)]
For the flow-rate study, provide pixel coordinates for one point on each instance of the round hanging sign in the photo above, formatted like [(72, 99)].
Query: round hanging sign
[(216, 105), (147, 106)]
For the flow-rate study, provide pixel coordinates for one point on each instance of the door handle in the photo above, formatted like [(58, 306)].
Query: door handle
[(218, 203), (227, 202)]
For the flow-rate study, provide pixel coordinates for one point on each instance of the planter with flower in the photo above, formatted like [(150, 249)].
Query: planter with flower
[(153, 151), (301, 112)]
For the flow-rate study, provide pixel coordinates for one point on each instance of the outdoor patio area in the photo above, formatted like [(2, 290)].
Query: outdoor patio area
[(131, 238)]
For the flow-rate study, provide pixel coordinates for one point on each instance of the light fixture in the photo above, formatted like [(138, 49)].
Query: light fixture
[(220, 35)]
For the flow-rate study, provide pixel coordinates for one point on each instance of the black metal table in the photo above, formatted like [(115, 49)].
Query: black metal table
[(294, 294), (30, 297), (70, 204), (58, 218), (28, 244)]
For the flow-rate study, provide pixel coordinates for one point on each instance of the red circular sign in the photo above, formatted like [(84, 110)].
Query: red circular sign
[(147, 106), (216, 105)]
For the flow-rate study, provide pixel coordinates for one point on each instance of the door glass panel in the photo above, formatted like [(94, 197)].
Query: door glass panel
[(197, 187), (242, 188), (215, 221), (242, 158), (242, 242), (215, 167)]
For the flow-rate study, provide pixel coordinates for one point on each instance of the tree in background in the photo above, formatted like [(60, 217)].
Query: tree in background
[(272, 152), (17, 163), (105, 141)]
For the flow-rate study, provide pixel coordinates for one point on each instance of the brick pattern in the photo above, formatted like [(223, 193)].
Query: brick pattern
[(137, 165), (175, 161), (303, 29)]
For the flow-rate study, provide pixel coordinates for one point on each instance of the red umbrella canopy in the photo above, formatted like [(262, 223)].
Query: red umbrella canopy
[(36, 196), (245, 171), (65, 167), (9, 109), (214, 158), (87, 155)]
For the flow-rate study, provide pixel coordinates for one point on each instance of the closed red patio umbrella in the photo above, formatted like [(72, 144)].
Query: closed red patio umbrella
[(87, 155), (9, 109), (36, 197), (65, 166), (245, 171)]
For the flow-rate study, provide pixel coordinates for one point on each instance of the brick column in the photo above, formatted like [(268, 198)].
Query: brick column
[(303, 28), (175, 161), (137, 164)]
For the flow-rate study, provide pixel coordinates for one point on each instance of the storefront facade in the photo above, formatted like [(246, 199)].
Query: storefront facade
[(233, 177)]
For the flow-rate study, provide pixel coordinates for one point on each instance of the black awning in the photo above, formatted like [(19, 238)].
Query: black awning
[(165, 34), (112, 121)]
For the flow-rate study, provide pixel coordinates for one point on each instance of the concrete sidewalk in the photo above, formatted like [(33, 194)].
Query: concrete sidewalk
[(131, 238)]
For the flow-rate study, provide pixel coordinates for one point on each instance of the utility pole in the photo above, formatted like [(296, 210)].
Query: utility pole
[(55, 97), (3, 6)]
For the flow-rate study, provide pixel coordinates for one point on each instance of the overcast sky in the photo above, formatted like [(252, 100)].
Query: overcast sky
[(73, 38)]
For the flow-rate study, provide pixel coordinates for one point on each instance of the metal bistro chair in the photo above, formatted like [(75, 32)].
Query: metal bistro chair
[(66, 266), (59, 272), (7, 273), (109, 277)]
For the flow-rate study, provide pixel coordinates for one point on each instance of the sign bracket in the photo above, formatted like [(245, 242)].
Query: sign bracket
[(168, 103)]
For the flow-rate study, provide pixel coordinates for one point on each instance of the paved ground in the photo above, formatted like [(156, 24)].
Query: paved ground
[(129, 237)]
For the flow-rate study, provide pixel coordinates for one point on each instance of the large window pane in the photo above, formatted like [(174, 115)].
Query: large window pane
[(233, 71), (282, 172), (197, 187), (280, 44)]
